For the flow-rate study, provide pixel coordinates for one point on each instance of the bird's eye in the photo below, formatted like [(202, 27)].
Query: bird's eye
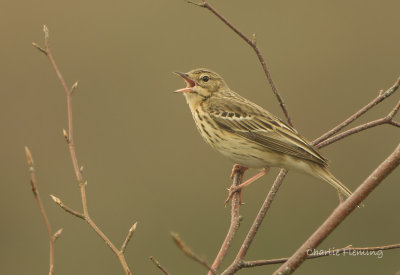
[(205, 78)]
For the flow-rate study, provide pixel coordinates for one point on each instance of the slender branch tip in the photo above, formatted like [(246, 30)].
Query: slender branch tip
[(46, 32), (133, 227), (29, 158), (202, 5), (158, 265), (39, 48)]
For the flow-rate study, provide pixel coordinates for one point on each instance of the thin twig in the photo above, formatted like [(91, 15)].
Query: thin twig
[(352, 131), (342, 211), (157, 264), (323, 253), (188, 252), (128, 237), (385, 120), (253, 45), (69, 137), (235, 220), (67, 208), (41, 207), (381, 96)]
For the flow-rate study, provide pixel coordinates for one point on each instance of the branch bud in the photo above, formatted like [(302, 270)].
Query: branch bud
[(46, 32), (57, 234), (74, 87), (254, 39), (65, 134), (56, 200)]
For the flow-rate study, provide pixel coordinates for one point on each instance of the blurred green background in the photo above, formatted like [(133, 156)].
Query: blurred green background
[(143, 158)]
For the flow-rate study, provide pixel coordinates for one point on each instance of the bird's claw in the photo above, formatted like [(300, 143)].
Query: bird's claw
[(232, 191)]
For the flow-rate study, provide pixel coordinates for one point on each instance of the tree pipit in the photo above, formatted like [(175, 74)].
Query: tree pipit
[(247, 134)]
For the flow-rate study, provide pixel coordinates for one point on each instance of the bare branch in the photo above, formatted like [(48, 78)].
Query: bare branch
[(386, 120), (330, 252), (236, 264), (157, 264), (381, 96), (188, 252), (128, 237), (69, 137), (39, 48), (342, 211), (235, 220), (41, 207), (67, 208), (395, 123), (252, 43)]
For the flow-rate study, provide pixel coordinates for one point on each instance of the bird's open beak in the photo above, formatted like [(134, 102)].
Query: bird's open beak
[(189, 83)]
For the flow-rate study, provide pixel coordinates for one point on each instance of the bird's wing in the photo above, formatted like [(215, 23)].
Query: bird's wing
[(250, 121)]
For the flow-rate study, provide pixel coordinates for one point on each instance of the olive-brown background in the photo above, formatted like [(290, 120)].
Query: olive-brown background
[(143, 158)]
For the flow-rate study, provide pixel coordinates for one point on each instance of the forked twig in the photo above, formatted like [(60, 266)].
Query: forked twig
[(69, 137), (236, 264), (325, 139), (381, 96)]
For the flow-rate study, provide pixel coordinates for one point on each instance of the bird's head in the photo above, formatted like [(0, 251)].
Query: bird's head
[(201, 84)]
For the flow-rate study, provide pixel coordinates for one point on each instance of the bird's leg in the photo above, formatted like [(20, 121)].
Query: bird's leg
[(238, 168), (239, 188)]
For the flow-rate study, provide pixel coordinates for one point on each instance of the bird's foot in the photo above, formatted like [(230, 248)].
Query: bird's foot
[(232, 190), (238, 188)]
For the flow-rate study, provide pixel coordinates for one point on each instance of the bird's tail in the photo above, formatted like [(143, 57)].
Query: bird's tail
[(326, 175)]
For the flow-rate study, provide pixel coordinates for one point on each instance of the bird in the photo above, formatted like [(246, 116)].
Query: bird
[(248, 134)]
